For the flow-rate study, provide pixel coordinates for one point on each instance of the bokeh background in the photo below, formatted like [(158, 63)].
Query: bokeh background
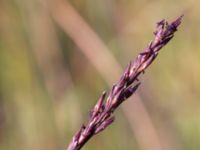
[(57, 56)]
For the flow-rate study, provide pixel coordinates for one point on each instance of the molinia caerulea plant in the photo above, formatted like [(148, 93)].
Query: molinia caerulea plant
[(101, 115)]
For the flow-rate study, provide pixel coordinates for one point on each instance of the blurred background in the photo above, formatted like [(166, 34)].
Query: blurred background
[(57, 56)]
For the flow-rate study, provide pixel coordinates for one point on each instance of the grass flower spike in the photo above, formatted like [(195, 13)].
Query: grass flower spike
[(101, 116)]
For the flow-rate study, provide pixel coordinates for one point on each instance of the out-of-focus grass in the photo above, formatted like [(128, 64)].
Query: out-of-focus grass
[(32, 117)]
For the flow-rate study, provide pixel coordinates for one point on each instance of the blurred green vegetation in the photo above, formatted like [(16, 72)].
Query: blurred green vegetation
[(47, 85)]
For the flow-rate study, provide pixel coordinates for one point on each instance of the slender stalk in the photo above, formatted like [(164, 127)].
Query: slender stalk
[(101, 116)]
